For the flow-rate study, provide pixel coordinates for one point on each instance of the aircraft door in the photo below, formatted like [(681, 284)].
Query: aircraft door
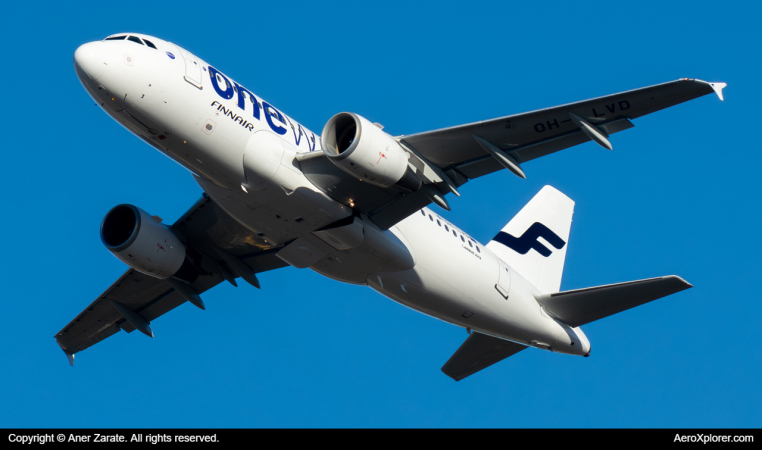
[(192, 68), (503, 285)]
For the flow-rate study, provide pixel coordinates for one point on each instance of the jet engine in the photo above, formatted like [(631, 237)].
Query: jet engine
[(142, 242), (362, 150)]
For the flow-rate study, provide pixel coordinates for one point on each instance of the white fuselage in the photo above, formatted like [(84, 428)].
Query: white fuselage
[(242, 152)]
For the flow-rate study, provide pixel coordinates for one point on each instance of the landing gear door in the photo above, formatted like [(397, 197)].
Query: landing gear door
[(192, 69), (503, 285)]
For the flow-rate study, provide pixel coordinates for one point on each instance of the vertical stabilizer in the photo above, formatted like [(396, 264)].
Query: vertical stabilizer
[(534, 242)]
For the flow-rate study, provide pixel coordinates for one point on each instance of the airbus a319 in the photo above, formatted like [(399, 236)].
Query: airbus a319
[(350, 204)]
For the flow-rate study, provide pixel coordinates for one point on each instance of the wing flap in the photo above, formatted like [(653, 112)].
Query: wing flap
[(147, 296), (397, 211), (582, 306), (485, 165), (478, 352)]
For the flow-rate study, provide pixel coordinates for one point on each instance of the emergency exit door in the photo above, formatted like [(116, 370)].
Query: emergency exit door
[(503, 285), (192, 69)]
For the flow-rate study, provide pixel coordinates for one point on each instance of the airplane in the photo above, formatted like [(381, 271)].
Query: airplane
[(350, 204)]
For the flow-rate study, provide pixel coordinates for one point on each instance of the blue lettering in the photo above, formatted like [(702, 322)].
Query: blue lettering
[(270, 111), (220, 81), (298, 138), (242, 99), (298, 132), (311, 143), (227, 94)]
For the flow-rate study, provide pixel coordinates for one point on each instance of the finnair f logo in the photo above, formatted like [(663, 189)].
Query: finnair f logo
[(528, 240)]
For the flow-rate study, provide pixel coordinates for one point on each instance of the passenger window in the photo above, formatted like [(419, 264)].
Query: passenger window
[(446, 229), (477, 249), (424, 214), (461, 238), (116, 38), (221, 81), (431, 218), (470, 244), (150, 44), (438, 223), (454, 233)]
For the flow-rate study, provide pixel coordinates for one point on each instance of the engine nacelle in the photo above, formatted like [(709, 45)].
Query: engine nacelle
[(364, 151), (142, 242)]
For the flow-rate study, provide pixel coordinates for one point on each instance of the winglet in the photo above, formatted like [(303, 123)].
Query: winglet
[(70, 356), (718, 87)]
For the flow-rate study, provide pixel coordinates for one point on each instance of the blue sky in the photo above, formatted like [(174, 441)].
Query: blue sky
[(678, 195)]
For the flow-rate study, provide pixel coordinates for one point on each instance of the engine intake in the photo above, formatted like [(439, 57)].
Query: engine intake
[(364, 151), (142, 242)]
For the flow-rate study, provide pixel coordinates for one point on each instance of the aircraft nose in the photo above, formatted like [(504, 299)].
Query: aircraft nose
[(90, 60)]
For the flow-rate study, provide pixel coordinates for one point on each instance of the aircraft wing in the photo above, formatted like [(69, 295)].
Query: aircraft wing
[(203, 228), (530, 135), (478, 352), (447, 158)]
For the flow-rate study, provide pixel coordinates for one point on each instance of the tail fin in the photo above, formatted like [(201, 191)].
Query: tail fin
[(534, 241)]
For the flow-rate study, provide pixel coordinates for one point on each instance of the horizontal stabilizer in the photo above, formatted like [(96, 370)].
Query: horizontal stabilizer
[(478, 352), (576, 308)]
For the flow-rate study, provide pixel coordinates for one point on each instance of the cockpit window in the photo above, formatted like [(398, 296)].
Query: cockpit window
[(135, 39), (149, 43), (115, 38)]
